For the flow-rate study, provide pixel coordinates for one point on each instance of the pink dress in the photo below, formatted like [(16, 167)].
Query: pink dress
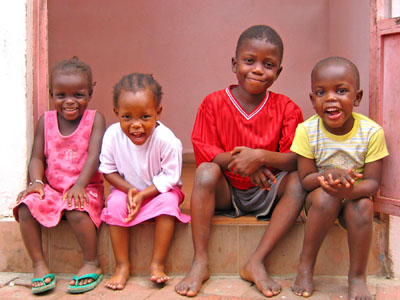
[(65, 158)]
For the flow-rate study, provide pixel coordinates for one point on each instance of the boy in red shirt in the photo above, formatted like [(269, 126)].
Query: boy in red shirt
[(241, 139)]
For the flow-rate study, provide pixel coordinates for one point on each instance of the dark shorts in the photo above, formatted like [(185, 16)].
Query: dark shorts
[(254, 201)]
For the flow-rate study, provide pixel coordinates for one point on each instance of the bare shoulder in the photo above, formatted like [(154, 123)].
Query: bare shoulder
[(99, 121)]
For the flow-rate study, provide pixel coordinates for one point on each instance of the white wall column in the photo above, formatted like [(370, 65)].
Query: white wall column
[(16, 100)]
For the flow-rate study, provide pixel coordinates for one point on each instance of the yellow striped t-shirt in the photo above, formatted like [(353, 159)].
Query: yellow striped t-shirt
[(363, 144)]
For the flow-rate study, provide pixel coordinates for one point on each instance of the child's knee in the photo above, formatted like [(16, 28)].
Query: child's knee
[(294, 184), (324, 203), (76, 216), (361, 212), (207, 175), (24, 214), (291, 186)]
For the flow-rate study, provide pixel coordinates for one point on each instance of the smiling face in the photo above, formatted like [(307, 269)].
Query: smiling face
[(257, 66), (334, 93), (137, 114), (70, 93)]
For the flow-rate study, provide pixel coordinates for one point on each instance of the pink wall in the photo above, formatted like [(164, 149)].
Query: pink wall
[(349, 37), (188, 46)]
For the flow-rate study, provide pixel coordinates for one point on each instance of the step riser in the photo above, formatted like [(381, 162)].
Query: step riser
[(230, 246)]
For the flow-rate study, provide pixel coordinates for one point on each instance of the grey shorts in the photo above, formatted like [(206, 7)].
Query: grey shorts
[(254, 201)]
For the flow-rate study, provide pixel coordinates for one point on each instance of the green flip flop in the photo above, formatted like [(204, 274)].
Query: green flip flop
[(46, 286), (77, 289)]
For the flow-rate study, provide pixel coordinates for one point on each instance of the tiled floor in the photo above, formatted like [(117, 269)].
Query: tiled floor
[(217, 288)]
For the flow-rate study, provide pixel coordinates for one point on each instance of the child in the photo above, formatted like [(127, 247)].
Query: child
[(142, 160), (339, 161), (63, 174), (241, 140)]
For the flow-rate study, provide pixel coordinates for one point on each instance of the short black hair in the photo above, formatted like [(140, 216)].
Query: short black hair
[(136, 82), (69, 66), (261, 32), (337, 60)]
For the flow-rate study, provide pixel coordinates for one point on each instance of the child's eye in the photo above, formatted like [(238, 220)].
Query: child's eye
[(79, 95), (125, 117), (341, 91), (60, 96), (269, 65), (319, 93), (146, 117), (248, 60)]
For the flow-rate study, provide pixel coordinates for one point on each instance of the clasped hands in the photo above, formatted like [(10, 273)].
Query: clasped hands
[(339, 182), (248, 162), (134, 201)]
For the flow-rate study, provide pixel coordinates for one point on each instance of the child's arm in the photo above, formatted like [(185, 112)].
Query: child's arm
[(368, 186), (246, 160), (78, 190), (309, 175), (223, 160), (36, 164), (118, 182)]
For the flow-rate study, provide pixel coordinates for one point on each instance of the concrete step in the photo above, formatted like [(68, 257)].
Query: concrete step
[(232, 242)]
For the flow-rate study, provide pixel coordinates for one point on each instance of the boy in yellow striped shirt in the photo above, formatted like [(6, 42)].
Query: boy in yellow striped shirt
[(339, 163)]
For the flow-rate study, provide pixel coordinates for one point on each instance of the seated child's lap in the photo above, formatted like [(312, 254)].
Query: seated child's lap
[(163, 204), (49, 210), (340, 218), (254, 201)]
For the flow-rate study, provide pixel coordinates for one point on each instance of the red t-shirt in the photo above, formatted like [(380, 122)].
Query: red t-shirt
[(222, 124)]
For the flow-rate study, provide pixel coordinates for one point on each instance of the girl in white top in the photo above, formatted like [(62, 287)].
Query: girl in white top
[(142, 160)]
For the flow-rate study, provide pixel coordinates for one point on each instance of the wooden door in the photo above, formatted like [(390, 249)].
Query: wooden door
[(385, 99)]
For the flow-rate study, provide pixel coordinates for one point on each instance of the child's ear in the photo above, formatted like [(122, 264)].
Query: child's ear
[(159, 110), (234, 65), (278, 72), (90, 94), (312, 99), (358, 98), (116, 112)]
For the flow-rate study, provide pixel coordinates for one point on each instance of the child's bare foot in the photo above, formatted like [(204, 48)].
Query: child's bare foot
[(255, 272), (157, 274), (87, 268), (358, 289), (119, 279), (303, 285), (191, 284), (39, 270)]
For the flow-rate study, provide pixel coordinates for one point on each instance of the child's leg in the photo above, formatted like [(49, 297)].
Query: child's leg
[(291, 198), (358, 216), (120, 243), (210, 190), (85, 232), (32, 236), (164, 230), (323, 210)]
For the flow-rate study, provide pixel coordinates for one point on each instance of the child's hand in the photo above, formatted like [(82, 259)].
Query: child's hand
[(262, 178), (343, 177), (78, 193), (245, 161), (35, 187), (135, 200), (336, 188)]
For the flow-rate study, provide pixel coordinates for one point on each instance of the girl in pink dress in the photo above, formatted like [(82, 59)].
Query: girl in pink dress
[(63, 176), (142, 160)]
